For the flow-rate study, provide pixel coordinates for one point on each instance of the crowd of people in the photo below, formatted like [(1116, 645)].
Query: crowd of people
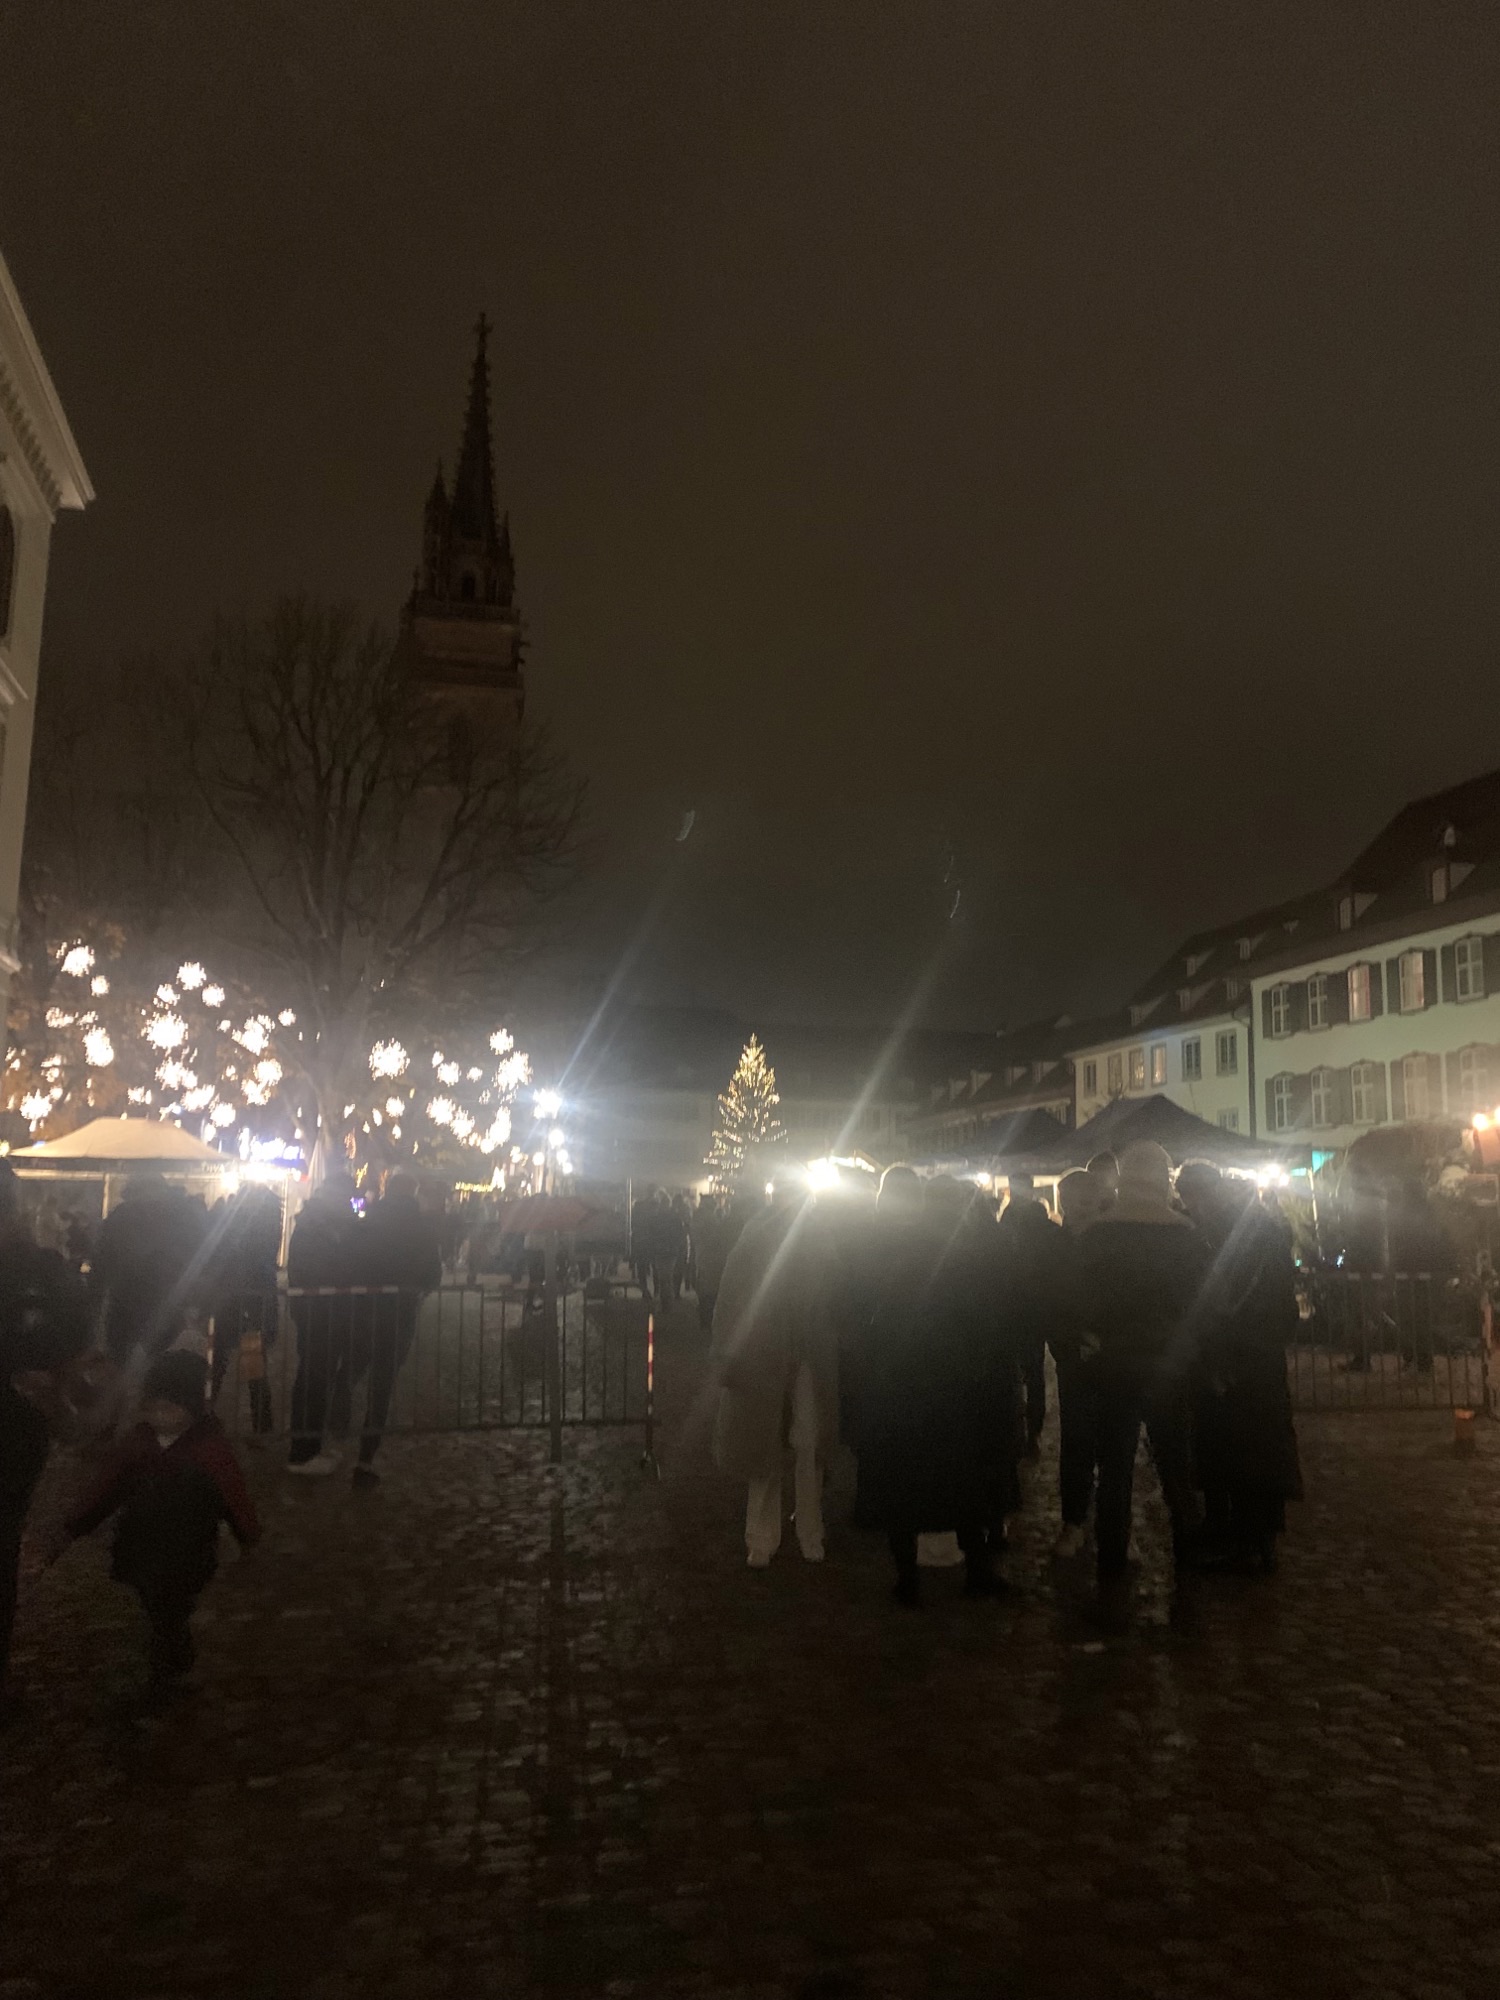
[(79, 1351), (917, 1329)]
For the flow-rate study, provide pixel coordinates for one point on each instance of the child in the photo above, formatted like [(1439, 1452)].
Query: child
[(173, 1479)]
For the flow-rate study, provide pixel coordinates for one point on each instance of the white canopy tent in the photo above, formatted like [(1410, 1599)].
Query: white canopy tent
[(110, 1150)]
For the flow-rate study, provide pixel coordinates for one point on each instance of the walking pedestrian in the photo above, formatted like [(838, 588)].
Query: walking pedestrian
[(775, 1347), (172, 1480), (1142, 1266)]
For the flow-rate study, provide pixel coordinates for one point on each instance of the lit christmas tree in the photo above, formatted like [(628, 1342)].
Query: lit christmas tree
[(747, 1121)]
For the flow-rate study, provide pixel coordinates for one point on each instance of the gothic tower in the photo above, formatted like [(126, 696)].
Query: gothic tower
[(460, 631)]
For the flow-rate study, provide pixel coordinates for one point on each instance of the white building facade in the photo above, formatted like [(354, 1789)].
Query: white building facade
[(1399, 1029), (1202, 1062), (40, 472)]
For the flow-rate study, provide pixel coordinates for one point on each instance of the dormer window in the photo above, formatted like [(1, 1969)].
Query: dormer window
[(1437, 882), (1346, 913), (1450, 835), (1184, 998)]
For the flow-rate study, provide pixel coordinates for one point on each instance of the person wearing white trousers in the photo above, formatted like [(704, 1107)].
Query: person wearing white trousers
[(774, 1344), (763, 1507)]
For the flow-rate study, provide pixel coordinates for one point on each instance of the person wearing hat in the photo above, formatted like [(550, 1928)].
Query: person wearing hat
[(172, 1481), (43, 1329), (1142, 1266)]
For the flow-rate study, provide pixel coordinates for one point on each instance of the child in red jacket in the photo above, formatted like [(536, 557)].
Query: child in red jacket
[(172, 1481)]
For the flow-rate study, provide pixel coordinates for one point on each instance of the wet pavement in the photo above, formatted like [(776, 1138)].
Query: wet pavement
[(499, 1729)]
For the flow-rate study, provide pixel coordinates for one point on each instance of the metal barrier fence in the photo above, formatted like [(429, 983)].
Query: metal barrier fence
[(466, 1357), (1383, 1340)]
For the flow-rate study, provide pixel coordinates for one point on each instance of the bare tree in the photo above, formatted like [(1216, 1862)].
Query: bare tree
[(369, 859)]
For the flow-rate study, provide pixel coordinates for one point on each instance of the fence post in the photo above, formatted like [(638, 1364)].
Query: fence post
[(554, 1351)]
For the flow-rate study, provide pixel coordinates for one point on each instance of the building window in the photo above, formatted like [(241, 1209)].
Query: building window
[(1137, 1069), (1322, 1097), (1192, 1059), (1413, 984), (1468, 968), (1281, 1010), (1414, 1086), (1473, 1079), (1159, 1065), (1229, 1121), (1359, 993), (1346, 913), (1362, 1094), (1247, 945), (1091, 1079), (1317, 1000), (1116, 1074), (1281, 1104), (1227, 1051), (1231, 989)]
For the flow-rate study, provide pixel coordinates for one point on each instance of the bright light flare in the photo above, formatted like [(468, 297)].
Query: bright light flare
[(822, 1176), (548, 1103), (388, 1059)]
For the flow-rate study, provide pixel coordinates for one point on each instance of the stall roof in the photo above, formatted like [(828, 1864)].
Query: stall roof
[(1184, 1136), (141, 1141)]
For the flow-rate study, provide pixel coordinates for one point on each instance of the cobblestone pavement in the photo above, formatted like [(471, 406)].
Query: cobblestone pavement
[(495, 1729)]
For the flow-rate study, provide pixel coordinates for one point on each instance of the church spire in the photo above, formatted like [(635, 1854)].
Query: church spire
[(473, 514)]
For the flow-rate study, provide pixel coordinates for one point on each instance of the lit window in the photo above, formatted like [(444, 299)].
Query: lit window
[(1281, 1103), (1473, 1079), (1116, 1074), (1229, 1121), (1192, 1059), (1317, 1000), (1322, 1097), (1359, 993), (1363, 1093), (1137, 1069), (1413, 982), (1468, 968), (1281, 1010), (1227, 1051), (1414, 1086), (1091, 1079), (1159, 1065)]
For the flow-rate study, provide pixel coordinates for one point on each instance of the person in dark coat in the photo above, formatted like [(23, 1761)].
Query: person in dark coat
[(400, 1248), (323, 1261), (1028, 1238), (148, 1267), (172, 1480), (1142, 1266), (1245, 1438), (244, 1252), (937, 1436), (1083, 1202), (44, 1327)]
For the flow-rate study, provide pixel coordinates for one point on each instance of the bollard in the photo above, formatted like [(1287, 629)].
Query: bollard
[(1464, 1435)]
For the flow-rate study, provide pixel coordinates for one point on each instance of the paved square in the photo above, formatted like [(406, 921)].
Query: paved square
[(495, 1729)]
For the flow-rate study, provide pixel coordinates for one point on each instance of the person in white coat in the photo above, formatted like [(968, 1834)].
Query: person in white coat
[(776, 1349)]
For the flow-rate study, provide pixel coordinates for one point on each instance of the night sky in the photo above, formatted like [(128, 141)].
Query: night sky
[(1042, 455)]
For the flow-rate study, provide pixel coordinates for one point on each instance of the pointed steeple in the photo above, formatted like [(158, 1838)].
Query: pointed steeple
[(461, 634), (474, 481)]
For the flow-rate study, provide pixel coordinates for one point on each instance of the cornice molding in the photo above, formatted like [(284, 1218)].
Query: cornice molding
[(33, 410)]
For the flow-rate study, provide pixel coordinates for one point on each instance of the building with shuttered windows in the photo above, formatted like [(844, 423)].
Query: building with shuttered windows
[(40, 473), (1384, 1005)]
